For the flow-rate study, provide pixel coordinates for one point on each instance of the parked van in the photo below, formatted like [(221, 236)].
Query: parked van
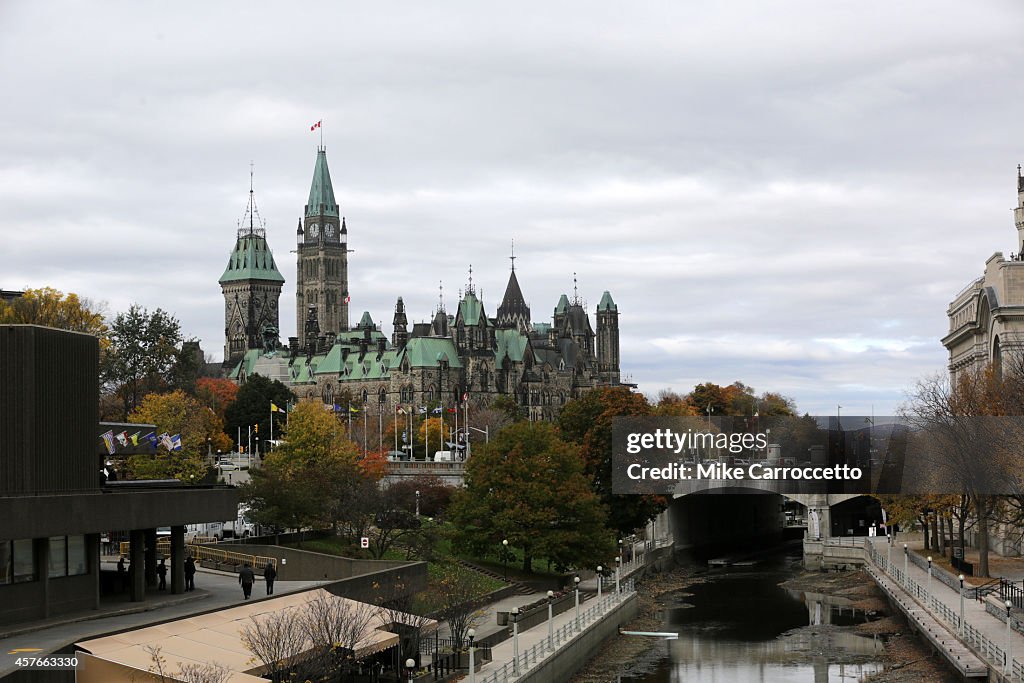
[(443, 456)]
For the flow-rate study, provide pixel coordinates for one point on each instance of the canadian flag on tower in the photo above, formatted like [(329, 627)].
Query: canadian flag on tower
[(315, 126)]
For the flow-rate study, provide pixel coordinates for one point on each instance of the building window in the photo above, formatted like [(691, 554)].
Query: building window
[(58, 556), (77, 562), (24, 560), (382, 397)]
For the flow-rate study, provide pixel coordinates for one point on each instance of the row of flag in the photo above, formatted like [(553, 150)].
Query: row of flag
[(112, 441)]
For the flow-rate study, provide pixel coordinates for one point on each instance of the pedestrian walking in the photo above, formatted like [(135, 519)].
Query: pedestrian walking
[(269, 574), (190, 573), (161, 572), (246, 577), (120, 566)]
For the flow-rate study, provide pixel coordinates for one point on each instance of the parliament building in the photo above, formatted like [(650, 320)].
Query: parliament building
[(466, 353)]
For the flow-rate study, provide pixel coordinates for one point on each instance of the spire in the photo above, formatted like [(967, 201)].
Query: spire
[(607, 303), (251, 215), (575, 292), (513, 311), (470, 289), (513, 256), (251, 259), (321, 192)]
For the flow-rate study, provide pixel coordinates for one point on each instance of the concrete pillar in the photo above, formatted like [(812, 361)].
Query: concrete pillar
[(151, 558), (137, 568), (177, 559), (42, 553), (92, 550)]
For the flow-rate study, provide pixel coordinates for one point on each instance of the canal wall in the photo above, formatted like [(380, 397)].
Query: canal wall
[(571, 657)]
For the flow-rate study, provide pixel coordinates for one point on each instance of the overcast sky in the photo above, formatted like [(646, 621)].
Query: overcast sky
[(787, 194)]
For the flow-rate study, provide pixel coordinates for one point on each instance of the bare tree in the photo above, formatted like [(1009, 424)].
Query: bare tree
[(277, 640), (457, 592), (335, 627), (396, 614), (210, 672)]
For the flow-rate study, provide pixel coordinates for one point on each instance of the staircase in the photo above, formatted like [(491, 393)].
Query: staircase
[(517, 587)]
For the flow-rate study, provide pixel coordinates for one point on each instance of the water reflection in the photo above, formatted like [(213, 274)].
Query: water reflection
[(742, 626)]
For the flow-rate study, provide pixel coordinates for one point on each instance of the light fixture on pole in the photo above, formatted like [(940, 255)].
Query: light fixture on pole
[(889, 563), (906, 559), (618, 565), (515, 641), (410, 664), (961, 629), (504, 558), (417, 503), (472, 664), (1008, 661), (551, 616), (929, 590), (600, 580), (620, 549), (576, 581)]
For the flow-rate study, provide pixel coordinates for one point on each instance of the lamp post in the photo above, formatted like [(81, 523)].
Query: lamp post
[(889, 562), (472, 665), (600, 578), (906, 559), (515, 641), (417, 503), (1008, 662), (551, 615), (577, 588), (410, 664), (504, 558), (961, 630), (929, 580), (618, 565), (620, 550)]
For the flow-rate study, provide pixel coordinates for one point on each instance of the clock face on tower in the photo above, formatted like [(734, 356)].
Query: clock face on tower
[(329, 229), (314, 230)]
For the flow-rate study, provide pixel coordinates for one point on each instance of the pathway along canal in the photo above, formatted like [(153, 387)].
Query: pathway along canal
[(738, 625)]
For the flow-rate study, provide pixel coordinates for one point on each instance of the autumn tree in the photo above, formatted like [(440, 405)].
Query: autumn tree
[(587, 421), (310, 477), (144, 348), (200, 430), (528, 486), (217, 394), (51, 308)]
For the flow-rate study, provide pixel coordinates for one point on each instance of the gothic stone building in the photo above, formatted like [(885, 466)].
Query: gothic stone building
[(539, 365), (986, 319)]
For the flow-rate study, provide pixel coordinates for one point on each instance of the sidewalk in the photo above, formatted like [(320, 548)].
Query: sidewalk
[(947, 609), (213, 590)]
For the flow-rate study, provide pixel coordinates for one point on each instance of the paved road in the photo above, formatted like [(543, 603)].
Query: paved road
[(213, 590)]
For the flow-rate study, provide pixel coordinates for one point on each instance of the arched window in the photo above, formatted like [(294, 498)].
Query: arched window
[(382, 396)]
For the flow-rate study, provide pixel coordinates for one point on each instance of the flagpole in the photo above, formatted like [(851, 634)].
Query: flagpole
[(380, 427), (441, 436), (396, 428), (271, 424), (364, 430), (350, 420)]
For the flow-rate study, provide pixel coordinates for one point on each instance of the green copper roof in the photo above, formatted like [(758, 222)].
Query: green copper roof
[(471, 310), (251, 260), (606, 303), (511, 344), (366, 320), (563, 304), (427, 352), (321, 191)]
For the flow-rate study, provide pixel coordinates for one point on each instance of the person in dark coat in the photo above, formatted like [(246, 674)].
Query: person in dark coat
[(269, 574), (161, 572), (246, 577), (190, 573)]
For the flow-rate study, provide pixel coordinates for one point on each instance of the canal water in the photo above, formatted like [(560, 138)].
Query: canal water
[(741, 626)]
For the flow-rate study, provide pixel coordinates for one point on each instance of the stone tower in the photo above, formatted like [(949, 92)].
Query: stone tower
[(251, 285), (608, 339), (400, 335), (322, 261), (1018, 213)]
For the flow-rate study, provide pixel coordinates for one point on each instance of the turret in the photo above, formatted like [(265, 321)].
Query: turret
[(1018, 213), (608, 339), (400, 335)]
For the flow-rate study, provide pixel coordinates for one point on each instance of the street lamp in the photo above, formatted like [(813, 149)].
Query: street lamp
[(551, 616), (577, 588), (929, 581), (600, 578), (472, 665), (504, 558), (515, 641), (410, 664), (417, 503), (906, 559), (1008, 662), (620, 549), (961, 630), (618, 565)]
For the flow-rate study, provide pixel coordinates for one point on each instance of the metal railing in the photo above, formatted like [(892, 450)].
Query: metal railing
[(530, 657), (993, 654), (201, 551)]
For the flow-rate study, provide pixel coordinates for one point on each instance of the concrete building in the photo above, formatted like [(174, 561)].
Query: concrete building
[(461, 355), (55, 504)]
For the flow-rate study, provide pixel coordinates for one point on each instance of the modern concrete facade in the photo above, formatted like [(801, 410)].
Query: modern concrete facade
[(53, 501)]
